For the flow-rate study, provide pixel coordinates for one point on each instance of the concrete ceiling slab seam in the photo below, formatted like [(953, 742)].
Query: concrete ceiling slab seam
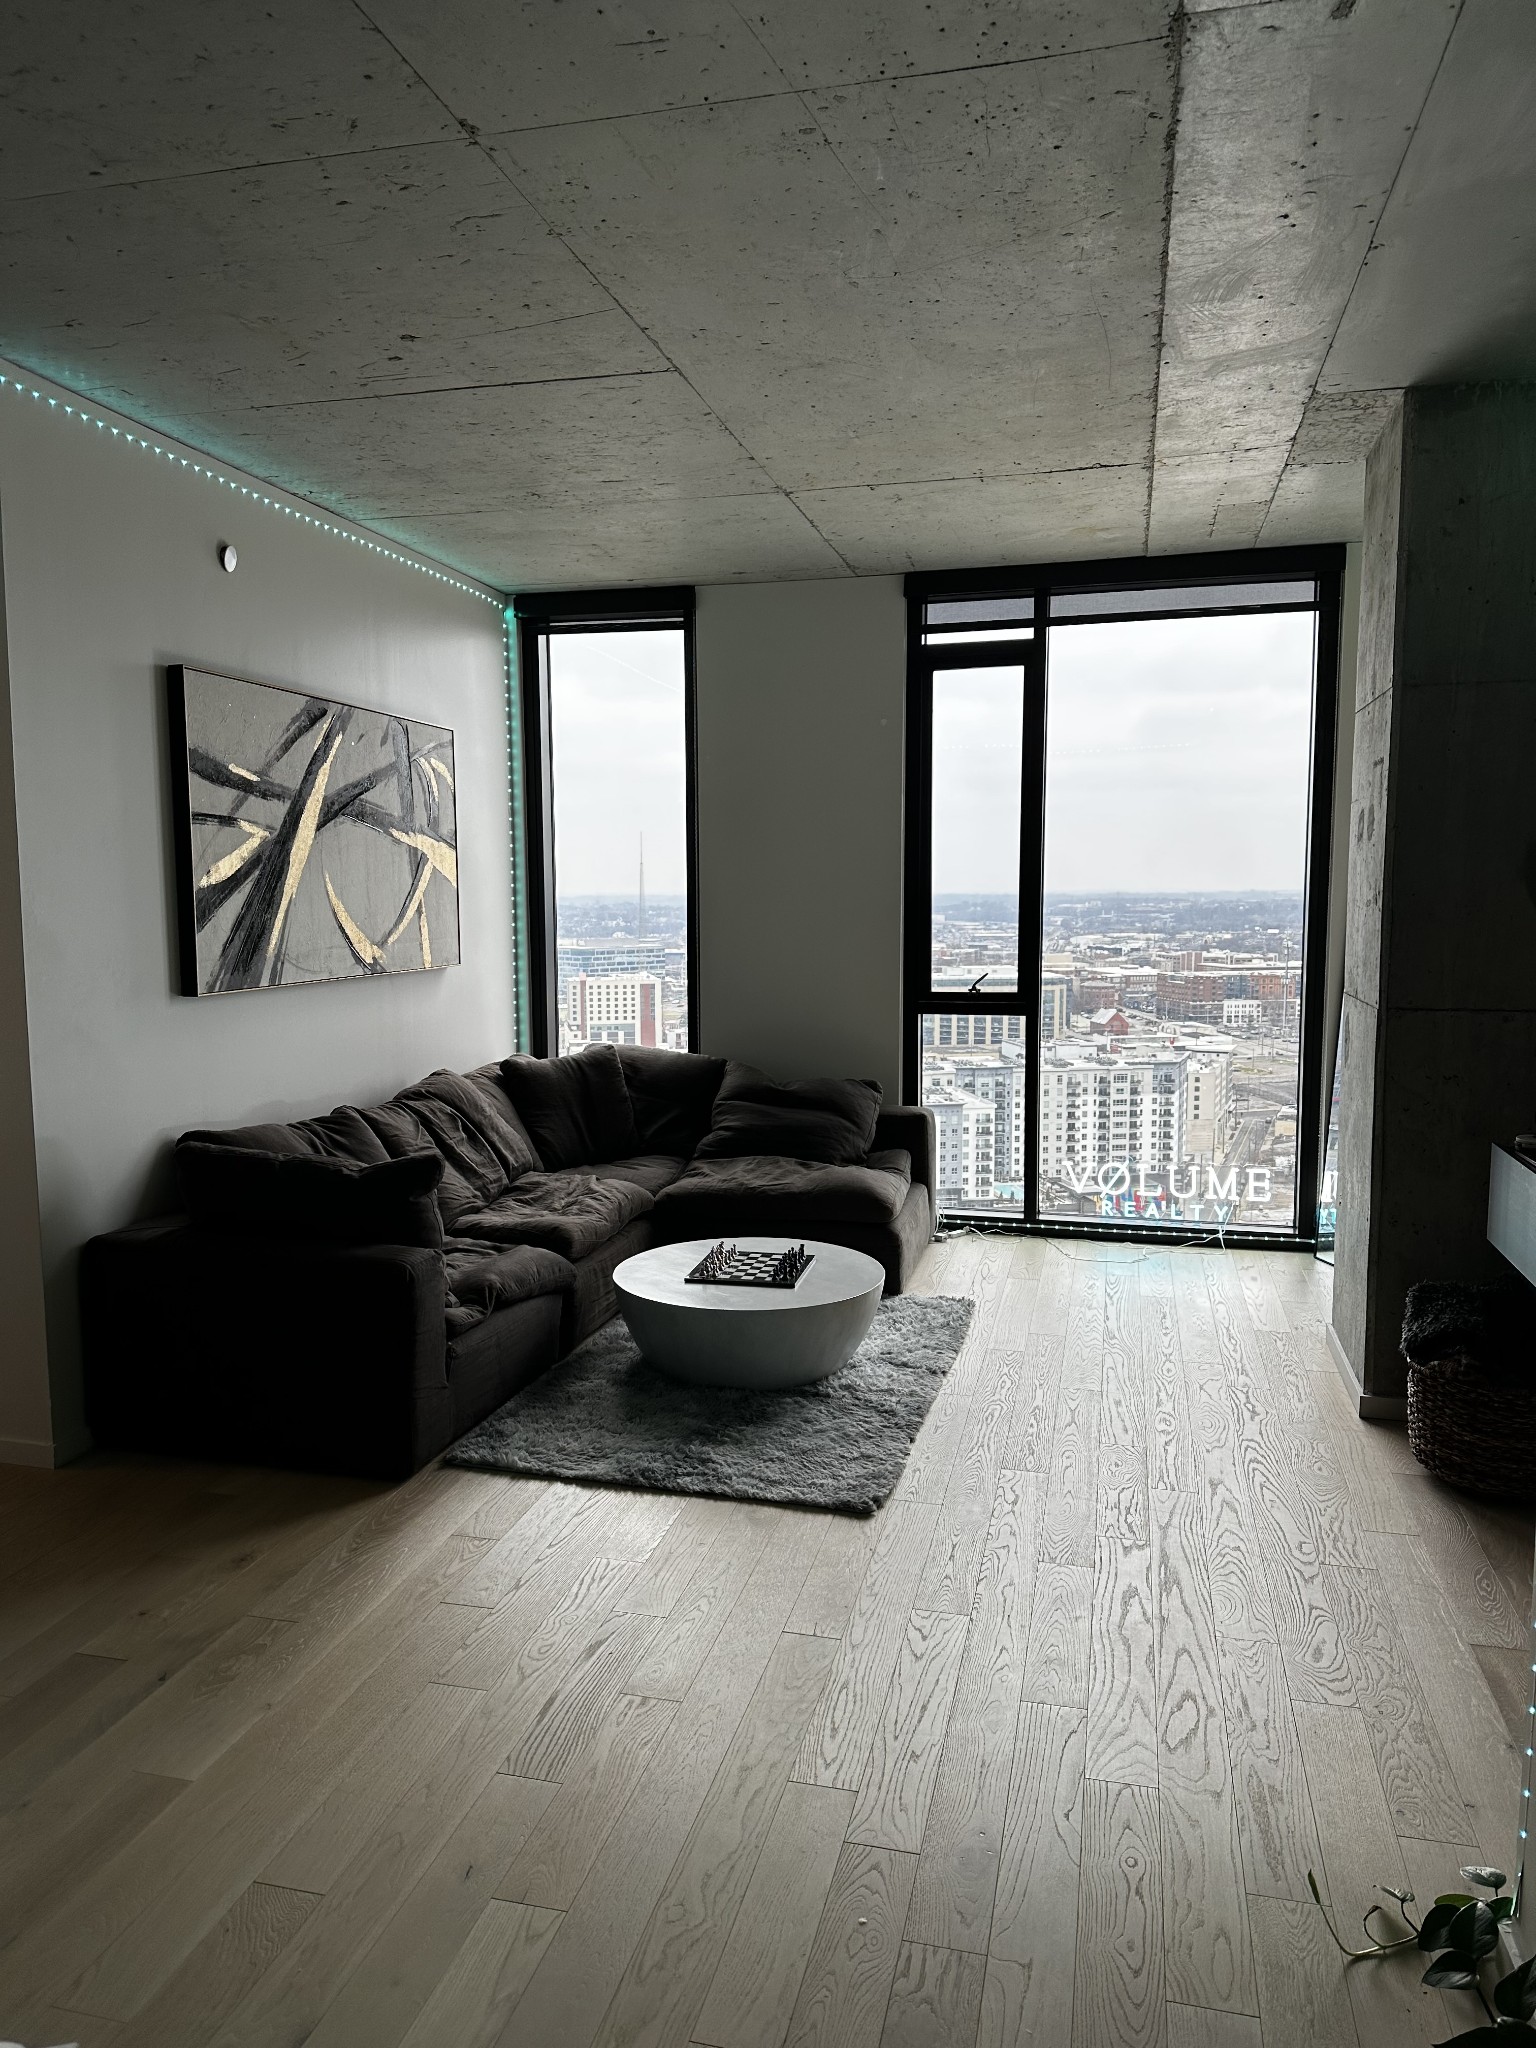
[(611, 540), (98, 95), (333, 277), (1293, 121), (971, 522), (927, 278), (1447, 293), (603, 440)]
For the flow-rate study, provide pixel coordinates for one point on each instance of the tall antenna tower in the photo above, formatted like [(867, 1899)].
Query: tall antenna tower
[(640, 922)]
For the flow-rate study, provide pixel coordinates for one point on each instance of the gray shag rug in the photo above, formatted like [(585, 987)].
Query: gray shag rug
[(604, 1416)]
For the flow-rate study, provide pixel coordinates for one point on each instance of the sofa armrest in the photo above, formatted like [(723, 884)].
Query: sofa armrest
[(265, 1351), (904, 1127)]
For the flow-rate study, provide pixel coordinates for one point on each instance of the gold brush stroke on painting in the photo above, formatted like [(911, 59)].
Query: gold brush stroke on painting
[(368, 954), (235, 769), (426, 937), (231, 864), (412, 905), (441, 855), (303, 842)]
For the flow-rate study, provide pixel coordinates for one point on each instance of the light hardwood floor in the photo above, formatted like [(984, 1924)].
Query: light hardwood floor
[(1043, 1753)]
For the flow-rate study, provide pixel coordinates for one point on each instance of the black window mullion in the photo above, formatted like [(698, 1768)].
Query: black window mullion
[(1032, 904)]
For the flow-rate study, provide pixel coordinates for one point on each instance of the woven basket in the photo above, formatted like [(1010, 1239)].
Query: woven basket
[(1473, 1428)]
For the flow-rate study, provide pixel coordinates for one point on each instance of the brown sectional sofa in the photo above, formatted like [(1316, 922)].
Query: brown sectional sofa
[(253, 1329)]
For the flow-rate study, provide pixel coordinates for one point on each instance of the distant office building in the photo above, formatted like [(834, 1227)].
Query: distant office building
[(943, 1032), (1208, 1105), (964, 1130), (615, 1009), (1055, 1005), (607, 956), (1241, 1013)]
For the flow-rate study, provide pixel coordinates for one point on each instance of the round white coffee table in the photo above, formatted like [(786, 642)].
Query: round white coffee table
[(748, 1336)]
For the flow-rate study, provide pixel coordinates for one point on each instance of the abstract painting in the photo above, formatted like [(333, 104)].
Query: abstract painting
[(315, 841)]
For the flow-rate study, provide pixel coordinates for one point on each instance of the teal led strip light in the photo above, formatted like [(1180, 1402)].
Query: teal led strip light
[(517, 840), (217, 476)]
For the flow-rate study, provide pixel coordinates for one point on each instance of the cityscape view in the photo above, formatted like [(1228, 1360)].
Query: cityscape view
[(1169, 1029), (623, 971)]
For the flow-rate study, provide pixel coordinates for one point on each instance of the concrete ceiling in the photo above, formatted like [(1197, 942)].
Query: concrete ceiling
[(574, 293)]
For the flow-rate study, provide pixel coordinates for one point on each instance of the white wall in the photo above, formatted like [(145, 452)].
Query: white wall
[(110, 574), (801, 690)]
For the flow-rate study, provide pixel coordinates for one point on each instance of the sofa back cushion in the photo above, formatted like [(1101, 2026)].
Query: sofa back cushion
[(576, 1108), (342, 1134), (831, 1121), (296, 1194), (481, 1153), (672, 1095)]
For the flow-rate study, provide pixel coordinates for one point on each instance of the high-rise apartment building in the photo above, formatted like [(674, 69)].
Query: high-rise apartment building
[(964, 1128), (615, 1009), (1100, 1109)]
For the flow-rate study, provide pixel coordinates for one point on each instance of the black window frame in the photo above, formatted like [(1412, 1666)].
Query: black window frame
[(537, 614), (1321, 564)]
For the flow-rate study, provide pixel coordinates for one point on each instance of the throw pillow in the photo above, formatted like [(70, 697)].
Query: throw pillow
[(576, 1108), (672, 1095), (830, 1121), (324, 1201)]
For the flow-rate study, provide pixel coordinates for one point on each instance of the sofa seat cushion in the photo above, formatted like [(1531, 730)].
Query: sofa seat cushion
[(575, 1108), (765, 1195), (755, 1117), (572, 1213), (652, 1171), (485, 1277)]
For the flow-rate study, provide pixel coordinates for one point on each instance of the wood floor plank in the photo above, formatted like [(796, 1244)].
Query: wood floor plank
[(891, 1808), (1354, 1826), (1056, 1654), (957, 1867), (846, 1990), (935, 1999), (32, 1885), (1240, 1598), (953, 1564), (1303, 1992), (1274, 1805), (1416, 1774), (841, 1736), (1035, 1909), (677, 1649), (1207, 1955), (1122, 1651), (1477, 1595), (1307, 1629), (419, 1946), (752, 1994), (469, 2007), (665, 1980), (566, 1722), (579, 1973), (1193, 2026), (1069, 1527), (693, 1532), (1118, 1992), (1033, 1422), (562, 1848), (221, 1970), (831, 1588)]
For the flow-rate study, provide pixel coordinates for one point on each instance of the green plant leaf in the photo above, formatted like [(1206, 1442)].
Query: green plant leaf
[(1454, 1899), (1473, 1930), (1515, 1995), (1454, 1971), (1502, 1908), (1440, 1915), (1484, 1874)]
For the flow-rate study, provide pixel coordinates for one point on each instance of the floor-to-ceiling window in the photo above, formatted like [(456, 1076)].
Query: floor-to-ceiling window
[(606, 688), (1117, 842)]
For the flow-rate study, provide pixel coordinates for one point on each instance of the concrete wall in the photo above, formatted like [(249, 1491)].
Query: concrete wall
[(1440, 972), (109, 574), (801, 692)]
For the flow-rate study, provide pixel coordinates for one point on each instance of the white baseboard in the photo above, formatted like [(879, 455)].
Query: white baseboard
[(25, 1450), (1372, 1407)]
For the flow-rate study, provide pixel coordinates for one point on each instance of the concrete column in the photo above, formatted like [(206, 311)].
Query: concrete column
[(1440, 950)]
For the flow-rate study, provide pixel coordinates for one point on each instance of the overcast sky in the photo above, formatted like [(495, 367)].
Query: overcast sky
[(1178, 752), (1177, 757), (617, 739)]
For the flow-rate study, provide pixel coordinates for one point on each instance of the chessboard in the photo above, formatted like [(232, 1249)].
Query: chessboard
[(728, 1266)]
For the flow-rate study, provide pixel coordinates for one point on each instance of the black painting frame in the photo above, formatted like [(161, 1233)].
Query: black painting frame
[(537, 614), (1321, 564)]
